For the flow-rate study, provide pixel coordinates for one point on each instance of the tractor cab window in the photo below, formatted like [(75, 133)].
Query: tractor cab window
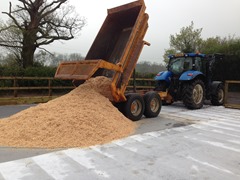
[(179, 65), (198, 64)]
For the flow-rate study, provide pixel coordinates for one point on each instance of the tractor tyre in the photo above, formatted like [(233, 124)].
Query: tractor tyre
[(134, 107), (217, 99), (194, 94), (153, 104)]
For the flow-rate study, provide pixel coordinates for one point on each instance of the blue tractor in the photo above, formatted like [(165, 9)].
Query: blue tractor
[(189, 79)]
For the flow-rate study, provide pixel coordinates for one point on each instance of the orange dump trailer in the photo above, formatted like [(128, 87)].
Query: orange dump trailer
[(114, 54)]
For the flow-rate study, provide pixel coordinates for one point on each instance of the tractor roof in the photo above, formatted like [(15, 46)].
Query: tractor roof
[(186, 55)]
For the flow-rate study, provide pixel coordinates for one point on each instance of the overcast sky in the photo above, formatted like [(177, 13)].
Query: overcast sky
[(166, 17)]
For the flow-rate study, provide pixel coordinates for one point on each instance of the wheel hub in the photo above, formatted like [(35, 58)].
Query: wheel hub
[(154, 105), (198, 94), (136, 107), (220, 95)]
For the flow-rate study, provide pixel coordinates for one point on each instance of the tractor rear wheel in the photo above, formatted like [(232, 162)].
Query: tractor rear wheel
[(153, 104), (217, 99), (134, 107), (194, 94)]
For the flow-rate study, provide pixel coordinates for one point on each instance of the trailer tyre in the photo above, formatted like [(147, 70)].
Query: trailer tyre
[(153, 104), (217, 99), (194, 94), (134, 107)]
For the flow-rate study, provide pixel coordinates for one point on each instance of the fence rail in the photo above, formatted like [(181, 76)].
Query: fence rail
[(15, 85)]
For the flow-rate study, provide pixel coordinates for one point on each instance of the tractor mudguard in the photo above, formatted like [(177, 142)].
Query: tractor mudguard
[(164, 76), (214, 86), (189, 75)]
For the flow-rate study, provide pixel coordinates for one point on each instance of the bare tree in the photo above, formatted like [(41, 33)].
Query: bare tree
[(35, 23)]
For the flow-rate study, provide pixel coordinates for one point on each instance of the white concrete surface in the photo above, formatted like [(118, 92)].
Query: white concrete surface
[(207, 149)]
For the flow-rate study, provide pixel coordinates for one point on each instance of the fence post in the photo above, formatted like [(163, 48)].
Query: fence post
[(49, 87), (15, 85), (134, 80), (226, 92)]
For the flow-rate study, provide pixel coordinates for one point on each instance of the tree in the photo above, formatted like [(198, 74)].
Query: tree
[(228, 45), (55, 59), (36, 23), (167, 53), (188, 40), (148, 68)]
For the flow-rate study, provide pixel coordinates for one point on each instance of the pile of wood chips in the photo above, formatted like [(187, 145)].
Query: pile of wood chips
[(81, 118)]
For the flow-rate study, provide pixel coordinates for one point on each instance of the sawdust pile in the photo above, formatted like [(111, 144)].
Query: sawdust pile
[(80, 118)]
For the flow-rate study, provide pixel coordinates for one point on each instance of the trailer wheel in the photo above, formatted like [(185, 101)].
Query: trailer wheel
[(217, 99), (134, 107), (153, 104), (194, 94)]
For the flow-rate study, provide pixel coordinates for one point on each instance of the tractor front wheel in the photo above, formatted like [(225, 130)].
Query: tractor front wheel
[(194, 94), (217, 98)]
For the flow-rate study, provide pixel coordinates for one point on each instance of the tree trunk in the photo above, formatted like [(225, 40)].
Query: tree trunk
[(28, 49)]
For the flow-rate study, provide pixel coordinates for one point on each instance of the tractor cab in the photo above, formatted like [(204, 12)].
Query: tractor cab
[(180, 63)]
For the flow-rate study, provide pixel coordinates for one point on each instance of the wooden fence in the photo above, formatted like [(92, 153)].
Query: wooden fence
[(16, 88), (12, 92), (20, 90)]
